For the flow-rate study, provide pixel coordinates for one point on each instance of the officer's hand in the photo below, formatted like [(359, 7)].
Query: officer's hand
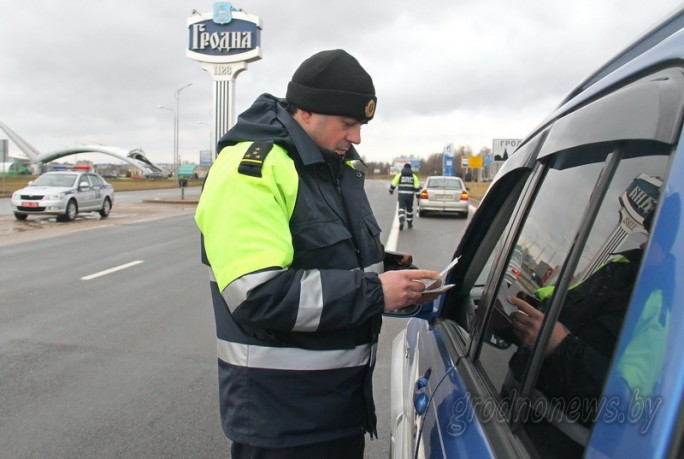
[(391, 191), (405, 288)]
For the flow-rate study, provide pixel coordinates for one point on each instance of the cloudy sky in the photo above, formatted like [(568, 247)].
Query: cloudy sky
[(445, 71)]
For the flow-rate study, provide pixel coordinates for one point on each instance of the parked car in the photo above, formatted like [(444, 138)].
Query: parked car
[(592, 199), (64, 194), (443, 194)]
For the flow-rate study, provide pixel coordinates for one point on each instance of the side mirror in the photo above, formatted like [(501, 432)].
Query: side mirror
[(83, 185)]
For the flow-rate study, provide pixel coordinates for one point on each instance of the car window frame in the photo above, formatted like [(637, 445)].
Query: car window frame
[(549, 142), (622, 128), (495, 215), (469, 367), (664, 132), (568, 268)]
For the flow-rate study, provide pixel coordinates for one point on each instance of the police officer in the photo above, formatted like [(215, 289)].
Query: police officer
[(408, 185), (296, 262)]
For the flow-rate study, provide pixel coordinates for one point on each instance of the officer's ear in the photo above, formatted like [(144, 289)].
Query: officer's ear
[(303, 116)]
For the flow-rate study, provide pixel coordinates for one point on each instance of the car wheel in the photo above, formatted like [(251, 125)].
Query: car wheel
[(19, 216), (106, 208), (464, 215), (71, 211)]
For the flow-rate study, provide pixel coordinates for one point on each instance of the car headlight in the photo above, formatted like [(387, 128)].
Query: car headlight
[(54, 196), (16, 195)]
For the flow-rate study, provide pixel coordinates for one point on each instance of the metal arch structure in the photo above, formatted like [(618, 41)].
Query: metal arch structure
[(135, 157), (28, 149)]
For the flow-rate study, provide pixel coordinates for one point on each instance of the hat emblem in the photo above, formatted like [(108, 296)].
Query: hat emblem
[(370, 108)]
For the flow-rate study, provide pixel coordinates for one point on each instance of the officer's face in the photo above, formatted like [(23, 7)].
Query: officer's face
[(334, 133)]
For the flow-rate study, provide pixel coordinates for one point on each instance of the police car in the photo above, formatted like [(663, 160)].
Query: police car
[(64, 194), (579, 353)]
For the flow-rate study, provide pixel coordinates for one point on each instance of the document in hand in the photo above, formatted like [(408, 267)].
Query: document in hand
[(442, 279)]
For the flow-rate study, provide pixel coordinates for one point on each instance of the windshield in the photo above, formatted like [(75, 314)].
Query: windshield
[(66, 180)]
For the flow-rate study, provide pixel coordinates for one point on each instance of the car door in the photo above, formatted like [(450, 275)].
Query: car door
[(98, 192), (87, 194), (575, 201)]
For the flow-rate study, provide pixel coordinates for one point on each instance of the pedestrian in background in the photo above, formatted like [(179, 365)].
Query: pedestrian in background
[(297, 268), (408, 185)]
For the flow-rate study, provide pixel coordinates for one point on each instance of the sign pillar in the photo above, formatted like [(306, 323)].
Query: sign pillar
[(223, 105), (224, 41), (4, 156), (448, 160)]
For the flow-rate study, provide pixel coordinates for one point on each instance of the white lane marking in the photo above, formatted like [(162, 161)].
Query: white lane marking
[(393, 237), (111, 270)]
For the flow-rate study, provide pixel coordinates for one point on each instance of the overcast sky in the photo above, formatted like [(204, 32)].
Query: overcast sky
[(445, 71)]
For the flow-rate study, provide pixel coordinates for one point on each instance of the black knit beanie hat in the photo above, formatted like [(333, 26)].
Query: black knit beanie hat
[(333, 83)]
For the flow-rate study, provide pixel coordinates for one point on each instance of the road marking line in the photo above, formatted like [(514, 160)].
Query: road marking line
[(393, 237), (111, 270)]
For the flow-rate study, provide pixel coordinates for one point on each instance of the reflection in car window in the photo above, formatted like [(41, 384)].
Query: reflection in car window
[(582, 341)]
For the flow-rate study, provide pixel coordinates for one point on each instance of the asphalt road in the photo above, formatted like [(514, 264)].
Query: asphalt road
[(107, 343)]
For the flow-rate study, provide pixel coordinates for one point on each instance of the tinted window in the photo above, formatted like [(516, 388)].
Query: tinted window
[(576, 258)]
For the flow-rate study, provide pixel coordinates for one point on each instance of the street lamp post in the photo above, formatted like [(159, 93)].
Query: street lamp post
[(177, 157), (175, 145)]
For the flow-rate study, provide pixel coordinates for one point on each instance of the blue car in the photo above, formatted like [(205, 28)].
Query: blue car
[(560, 337)]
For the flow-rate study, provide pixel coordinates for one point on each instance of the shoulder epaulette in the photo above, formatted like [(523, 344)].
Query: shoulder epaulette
[(253, 160)]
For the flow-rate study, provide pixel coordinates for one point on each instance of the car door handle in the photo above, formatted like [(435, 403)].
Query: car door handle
[(420, 398)]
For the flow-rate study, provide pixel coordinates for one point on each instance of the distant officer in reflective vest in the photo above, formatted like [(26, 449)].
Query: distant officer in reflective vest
[(408, 185)]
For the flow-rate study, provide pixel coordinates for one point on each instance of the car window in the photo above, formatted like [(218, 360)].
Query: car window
[(577, 265), (445, 183), (84, 178), (62, 180), (95, 180)]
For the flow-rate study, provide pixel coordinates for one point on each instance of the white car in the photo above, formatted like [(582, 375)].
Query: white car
[(443, 194), (64, 194)]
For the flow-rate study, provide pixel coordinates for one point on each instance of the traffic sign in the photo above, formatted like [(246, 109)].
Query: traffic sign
[(475, 162), (502, 148)]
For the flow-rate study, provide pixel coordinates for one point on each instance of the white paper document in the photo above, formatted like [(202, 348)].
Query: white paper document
[(442, 277)]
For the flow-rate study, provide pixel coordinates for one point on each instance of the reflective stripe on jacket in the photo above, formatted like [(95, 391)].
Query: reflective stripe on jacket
[(407, 182)]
